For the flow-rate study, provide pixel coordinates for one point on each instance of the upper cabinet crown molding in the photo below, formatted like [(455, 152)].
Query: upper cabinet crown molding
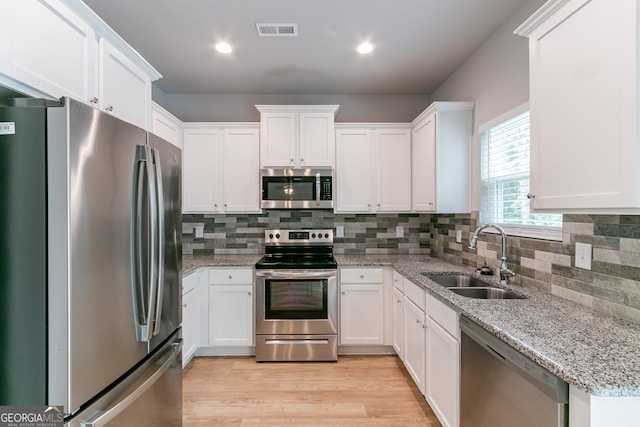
[(298, 108), (102, 29), (546, 11)]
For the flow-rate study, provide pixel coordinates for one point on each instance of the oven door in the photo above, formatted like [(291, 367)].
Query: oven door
[(296, 302)]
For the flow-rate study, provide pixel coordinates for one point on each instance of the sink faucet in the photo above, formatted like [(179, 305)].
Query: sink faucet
[(505, 272)]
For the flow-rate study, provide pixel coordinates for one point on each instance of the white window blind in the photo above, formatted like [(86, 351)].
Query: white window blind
[(505, 181)]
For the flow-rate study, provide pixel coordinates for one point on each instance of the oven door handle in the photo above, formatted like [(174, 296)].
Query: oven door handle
[(296, 274)]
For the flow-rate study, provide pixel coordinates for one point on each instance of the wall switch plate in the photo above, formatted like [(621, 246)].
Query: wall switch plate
[(458, 236), (583, 256), (199, 231), (339, 230), (399, 231)]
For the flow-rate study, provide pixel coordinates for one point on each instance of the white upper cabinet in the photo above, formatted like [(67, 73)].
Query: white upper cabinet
[(297, 136), (54, 48), (584, 64), (220, 168), (166, 125), (373, 169), (46, 50), (124, 89), (441, 145)]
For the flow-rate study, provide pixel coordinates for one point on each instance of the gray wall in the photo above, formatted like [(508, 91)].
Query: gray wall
[(496, 78), (241, 107)]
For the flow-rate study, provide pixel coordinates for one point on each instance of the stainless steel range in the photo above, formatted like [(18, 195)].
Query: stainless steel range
[(297, 297)]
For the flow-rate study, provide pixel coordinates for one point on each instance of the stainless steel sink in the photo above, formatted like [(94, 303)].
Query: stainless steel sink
[(487, 293), (456, 280)]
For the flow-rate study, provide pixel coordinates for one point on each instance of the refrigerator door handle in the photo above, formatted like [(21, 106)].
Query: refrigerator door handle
[(159, 230), (144, 244), (103, 417)]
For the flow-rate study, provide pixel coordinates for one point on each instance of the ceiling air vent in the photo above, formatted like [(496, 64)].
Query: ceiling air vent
[(277, 30)]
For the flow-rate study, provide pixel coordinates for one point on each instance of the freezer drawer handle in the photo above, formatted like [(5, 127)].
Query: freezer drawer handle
[(103, 417)]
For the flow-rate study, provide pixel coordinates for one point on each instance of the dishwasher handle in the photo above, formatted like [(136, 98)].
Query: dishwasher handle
[(543, 379)]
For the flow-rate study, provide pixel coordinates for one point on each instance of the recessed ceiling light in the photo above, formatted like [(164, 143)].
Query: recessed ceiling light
[(224, 47), (365, 48)]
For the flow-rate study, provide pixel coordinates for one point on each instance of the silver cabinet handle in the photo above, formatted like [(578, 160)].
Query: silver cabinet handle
[(93, 100), (109, 108), (531, 196)]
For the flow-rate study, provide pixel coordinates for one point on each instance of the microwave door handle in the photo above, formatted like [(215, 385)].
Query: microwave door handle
[(317, 189)]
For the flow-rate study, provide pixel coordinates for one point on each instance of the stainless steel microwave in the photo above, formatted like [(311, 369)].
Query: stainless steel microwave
[(297, 188)]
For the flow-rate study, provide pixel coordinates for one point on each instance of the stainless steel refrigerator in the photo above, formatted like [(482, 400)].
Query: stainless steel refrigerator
[(90, 266)]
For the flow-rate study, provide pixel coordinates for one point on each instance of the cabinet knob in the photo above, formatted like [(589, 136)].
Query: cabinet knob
[(531, 196), (184, 305), (230, 277), (424, 326), (417, 320), (362, 276), (301, 160), (344, 292), (93, 100), (249, 293), (291, 160)]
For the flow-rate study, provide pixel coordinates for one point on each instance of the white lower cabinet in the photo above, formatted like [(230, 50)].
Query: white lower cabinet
[(414, 342), (231, 307), (361, 306), (398, 323), (443, 371), (426, 337), (190, 330), (443, 361)]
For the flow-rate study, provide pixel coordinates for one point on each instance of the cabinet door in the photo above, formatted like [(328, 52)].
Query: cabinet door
[(424, 165), (398, 323), (316, 144), (231, 315), (393, 184), (125, 91), (414, 343), (189, 325), (43, 46), (361, 314), (354, 170), (577, 163), (201, 160), (278, 139), (443, 374), (241, 167)]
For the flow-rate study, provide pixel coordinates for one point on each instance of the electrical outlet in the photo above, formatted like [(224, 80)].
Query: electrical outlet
[(583, 256), (458, 236), (199, 231), (399, 231), (339, 230)]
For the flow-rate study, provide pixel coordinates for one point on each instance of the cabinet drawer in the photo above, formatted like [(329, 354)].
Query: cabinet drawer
[(231, 276), (444, 315), (414, 292), (361, 275)]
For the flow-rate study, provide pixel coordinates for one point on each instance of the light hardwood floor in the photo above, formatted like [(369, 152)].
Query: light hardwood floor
[(355, 391)]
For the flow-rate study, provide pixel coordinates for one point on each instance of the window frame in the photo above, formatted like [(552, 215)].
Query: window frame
[(530, 231)]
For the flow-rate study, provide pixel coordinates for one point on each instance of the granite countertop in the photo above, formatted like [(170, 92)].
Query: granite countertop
[(595, 352)]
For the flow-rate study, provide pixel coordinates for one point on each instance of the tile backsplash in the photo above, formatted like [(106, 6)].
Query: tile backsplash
[(612, 285), (363, 234)]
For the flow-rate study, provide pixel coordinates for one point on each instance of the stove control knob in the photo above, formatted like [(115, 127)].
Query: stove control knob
[(313, 235), (271, 236), (277, 235), (326, 235)]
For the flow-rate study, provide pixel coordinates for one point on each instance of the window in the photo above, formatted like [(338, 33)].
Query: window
[(504, 160)]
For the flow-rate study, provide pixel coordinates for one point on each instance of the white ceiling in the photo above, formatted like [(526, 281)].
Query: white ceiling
[(418, 42)]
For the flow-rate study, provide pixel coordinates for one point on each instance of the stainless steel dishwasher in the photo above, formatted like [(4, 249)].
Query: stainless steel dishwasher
[(501, 387)]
